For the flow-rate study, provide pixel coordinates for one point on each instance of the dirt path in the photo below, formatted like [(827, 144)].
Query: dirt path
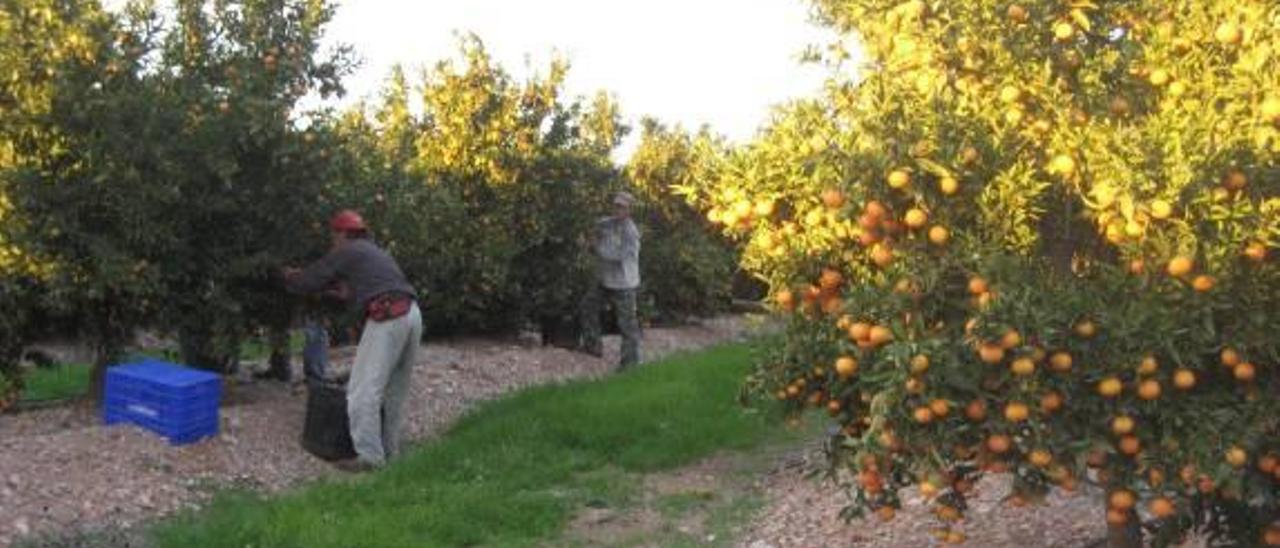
[(61, 471)]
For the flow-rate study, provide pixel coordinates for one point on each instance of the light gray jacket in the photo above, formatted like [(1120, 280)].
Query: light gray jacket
[(617, 247)]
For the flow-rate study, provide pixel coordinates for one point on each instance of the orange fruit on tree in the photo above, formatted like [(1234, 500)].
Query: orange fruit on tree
[(1040, 458), (1016, 412), (970, 155), (786, 299), (1063, 31), (1180, 266), (1086, 329), (999, 444), (1267, 464), (833, 408), (871, 481), (1148, 365), (1245, 372), (922, 415), (1203, 283), (1122, 425), (976, 411), (919, 364), (1137, 267), (1159, 77), (846, 366), (939, 235), (1228, 33), (1011, 339), (977, 286), (940, 407), (882, 255), (1184, 379), (833, 198), (1060, 362), (991, 353), (914, 386), (1119, 106), (1161, 209), (1129, 445), (948, 185), (1256, 252), (1051, 402), (1161, 507), (1270, 109), (1235, 179), (1122, 499), (899, 179), (1110, 387), (880, 335), (876, 210), (1017, 14), (1023, 366), (1237, 457), (1063, 165), (915, 218), (1230, 357), (886, 513), (1010, 94), (830, 279), (860, 331), (1149, 389)]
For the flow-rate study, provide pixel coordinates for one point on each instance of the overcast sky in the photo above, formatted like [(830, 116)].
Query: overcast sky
[(718, 62)]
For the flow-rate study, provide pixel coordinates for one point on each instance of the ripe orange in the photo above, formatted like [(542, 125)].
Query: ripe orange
[(948, 185), (871, 481), (915, 218), (793, 391), (1086, 329), (1203, 283), (922, 415), (1244, 372), (1155, 478), (1268, 464), (886, 513), (1148, 366), (914, 386), (991, 353), (1161, 507), (1119, 106), (977, 286), (919, 364), (970, 155), (880, 335), (846, 366), (833, 198), (1184, 379), (1160, 77), (1161, 209), (833, 408), (939, 235), (860, 331), (1051, 402), (1180, 266), (1016, 412), (947, 513), (999, 444), (1149, 390), (1110, 387), (876, 210), (1060, 362), (1017, 14), (786, 300), (830, 279), (1122, 425), (1230, 357), (1256, 252), (940, 407), (882, 255), (976, 411), (899, 179), (1010, 94), (1129, 445), (1122, 499), (1040, 458), (1011, 339), (1062, 164), (1023, 366), (1063, 31), (1235, 179), (1228, 33), (1237, 457)]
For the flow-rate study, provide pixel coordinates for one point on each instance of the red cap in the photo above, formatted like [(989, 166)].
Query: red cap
[(347, 220)]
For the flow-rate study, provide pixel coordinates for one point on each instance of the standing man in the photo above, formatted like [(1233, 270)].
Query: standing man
[(388, 348), (617, 249)]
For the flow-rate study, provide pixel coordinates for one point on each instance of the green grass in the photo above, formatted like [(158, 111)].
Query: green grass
[(58, 382), (513, 472)]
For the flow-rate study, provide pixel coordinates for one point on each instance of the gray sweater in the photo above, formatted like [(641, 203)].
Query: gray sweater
[(364, 266), (617, 247)]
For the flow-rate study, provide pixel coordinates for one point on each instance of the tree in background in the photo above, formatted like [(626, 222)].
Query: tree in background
[(1034, 238)]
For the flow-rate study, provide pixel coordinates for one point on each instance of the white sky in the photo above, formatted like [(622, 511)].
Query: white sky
[(718, 62)]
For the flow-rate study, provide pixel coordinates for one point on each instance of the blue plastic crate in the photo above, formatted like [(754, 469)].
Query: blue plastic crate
[(176, 402)]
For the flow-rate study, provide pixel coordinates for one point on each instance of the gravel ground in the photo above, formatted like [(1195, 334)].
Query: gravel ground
[(61, 470), (804, 512)]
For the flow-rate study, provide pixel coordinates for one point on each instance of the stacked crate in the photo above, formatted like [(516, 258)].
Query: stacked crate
[(178, 403)]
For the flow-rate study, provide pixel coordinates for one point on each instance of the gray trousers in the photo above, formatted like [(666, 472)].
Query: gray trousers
[(624, 306), (379, 385)]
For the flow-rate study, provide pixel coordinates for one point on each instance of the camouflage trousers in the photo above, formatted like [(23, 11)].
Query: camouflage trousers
[(624, 307)]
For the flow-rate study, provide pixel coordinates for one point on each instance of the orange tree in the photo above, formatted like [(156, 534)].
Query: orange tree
[(1034, 237)]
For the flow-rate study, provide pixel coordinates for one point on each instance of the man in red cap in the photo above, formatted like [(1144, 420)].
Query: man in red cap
[(387, 352)]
